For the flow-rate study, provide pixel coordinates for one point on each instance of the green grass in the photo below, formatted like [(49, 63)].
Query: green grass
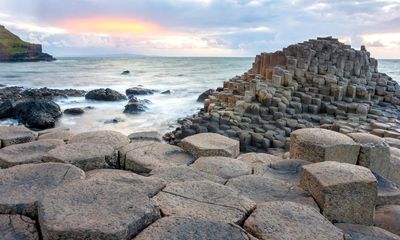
[(12, 43)]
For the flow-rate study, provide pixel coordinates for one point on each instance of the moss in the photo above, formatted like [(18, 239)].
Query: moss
[(12, 43)]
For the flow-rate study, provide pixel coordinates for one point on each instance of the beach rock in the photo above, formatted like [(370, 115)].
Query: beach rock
[(86, 156), (204, 199), (211, 144), (205, 95), (317, 145), (10, 135), (7, 109), (145, 136), (289, 220), (388, 218), (167, 92), (139, 91), (388, 191), (184, 173), (257, 161), (133, 108), (105, 94), (106, 137), (393, 142), (23, 185), (17, 227), (60, 135), (287, 170), (38, 113), (74, 111), (345, 192), (89, 210), (362, 232), (50, 94), (126, 72), (52, 130), (31, 152), (155, 155), (114, 120), (192, 229), (223, 167)]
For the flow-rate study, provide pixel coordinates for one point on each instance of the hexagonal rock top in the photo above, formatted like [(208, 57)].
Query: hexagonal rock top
[(87, 156), (64, 135), (211, 144), (192, 229), (184, 173), (362, 232), (155, 155), (345, 193), (204, 199), (223, 167), (111, 138), (10, 135), (256, 161), (318, 145), (95, 210), (17, 227), (31, 152), (288, 220), (21, 186)]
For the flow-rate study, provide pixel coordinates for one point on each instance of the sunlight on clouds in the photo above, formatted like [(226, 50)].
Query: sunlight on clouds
[(387, 40), (30, 27)]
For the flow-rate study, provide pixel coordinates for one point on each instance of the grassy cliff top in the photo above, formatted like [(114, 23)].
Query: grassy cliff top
[(11, 42)]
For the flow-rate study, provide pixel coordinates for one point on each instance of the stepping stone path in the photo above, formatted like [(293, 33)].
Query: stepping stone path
[(362, 232), (10, 135), (184, 173), (204, 199), (17, 227), (192, 229), (31, 152), (223, 167), (288, 220), (211, 144)]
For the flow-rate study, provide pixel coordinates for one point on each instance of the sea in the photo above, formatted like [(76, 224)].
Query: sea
[(185, 77)]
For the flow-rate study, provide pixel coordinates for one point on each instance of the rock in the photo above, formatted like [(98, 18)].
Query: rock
[(23, 185), (37, 113), (89, 210), (139, 91), (345, 193), (74, 111), (192, 229), (256, 161), (7, 109), (31, 152), (393, 142), (362, 232), (52, 130), (130, 147), (211, 144), (106, 94), (388, 192), (287, 170), (114, 139), (133, 108), (317, 145), (166, 92), (223, 167), (60, 135), (205, 95), (289, 220), (17, 227), (10, 135), (388, 218), (204, 199), (155, 155), (184, 173), (126, 72), (145, 136), (114, 120), (50, 94)]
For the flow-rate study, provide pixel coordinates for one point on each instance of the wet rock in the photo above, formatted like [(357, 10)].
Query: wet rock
[(111, 138), (74, 111), (145, 136), (345, 192), (223, 167), (133, 108), (192, 229), (139, 91), (167, 92), (38, 113), (184, 173), (10, 135), (7, 109), (204, 199), (205, 95), (50, 94), (105, 94), (211, 144), (31, 152), (362, 232), (114, 120), (17, 227), (126, 72), (388, 218), (23, 185), (289, 220)]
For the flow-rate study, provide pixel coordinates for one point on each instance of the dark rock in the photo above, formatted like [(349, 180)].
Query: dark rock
[(126, 72), (166, 92), (37, 114), (133, 108), (114, 120), (6, 109), (139, 91), (89, 108), (74, 111), (205, 95), (50, 94), (133, 99), (105, 94)]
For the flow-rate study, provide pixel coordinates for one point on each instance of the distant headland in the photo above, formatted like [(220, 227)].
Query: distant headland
[(13, 49)]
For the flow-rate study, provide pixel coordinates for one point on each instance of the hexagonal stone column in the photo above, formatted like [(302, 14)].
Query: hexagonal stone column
[(318, 145), (345, 193), (17, 227), (10, 135), (223, 167), (362, 232), (211, 144), (111, 138)]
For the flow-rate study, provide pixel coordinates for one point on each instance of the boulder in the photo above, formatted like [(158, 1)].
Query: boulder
[(205, 95), (133, 108), (74, 111), (166, 92), (23, 185), (95, 210), (10, 135), (126, 72), (7, 109), (388, 218), (86, 156), (31, 152), (105, 94), (211, 144), (223, 167), (38, 113), (114, 139), (192, 229), (184, 173), (204, 199), (155, 155), (17, 227), (60, 135), (362, 232), (145, 136), (345, 192), (317, 145), (139, 91), (289, 220)]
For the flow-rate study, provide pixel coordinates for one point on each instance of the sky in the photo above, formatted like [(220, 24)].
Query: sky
[(200, 27)]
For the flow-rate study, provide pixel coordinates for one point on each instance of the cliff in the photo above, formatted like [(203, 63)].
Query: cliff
[(13, 49)]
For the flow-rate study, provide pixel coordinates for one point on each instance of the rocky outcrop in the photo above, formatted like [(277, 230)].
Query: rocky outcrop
[(105, 94), (37, 113)]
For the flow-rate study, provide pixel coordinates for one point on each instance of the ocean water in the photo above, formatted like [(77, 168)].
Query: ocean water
[(185, 77)]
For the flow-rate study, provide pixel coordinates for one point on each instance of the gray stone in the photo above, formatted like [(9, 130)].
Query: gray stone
[(146, 136), (17, 227), (184, 173), (256, 161), (114, 139), (223, 167), (388, 218), (287, 170), (388, 192), (10, 135), (61, 135), (393, 142), (362, 232)]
